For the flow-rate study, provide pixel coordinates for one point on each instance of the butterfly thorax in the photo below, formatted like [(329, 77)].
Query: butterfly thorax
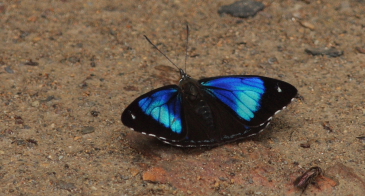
[(194, 97)]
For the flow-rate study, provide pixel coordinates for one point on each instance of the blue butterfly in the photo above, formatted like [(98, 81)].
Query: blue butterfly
[(210, 111)]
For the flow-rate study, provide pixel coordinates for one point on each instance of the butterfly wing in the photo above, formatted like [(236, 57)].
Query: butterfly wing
[(253, 99), (157, 113), (230, 108)]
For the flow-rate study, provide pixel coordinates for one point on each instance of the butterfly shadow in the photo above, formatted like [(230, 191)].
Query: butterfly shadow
[(153, 148), (280, 127)]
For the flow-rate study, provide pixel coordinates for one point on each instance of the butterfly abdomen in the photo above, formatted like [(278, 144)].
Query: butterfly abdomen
[(205, 112)]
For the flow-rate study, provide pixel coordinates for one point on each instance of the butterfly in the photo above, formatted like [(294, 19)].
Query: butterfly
[(210, 111)]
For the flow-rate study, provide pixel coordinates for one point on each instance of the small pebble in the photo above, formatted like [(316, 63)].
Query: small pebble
[(35, 103), (305, 145), (332, 52), (242, 9), (74, 59), (31, 63), (360, 49), (307, 24), (66, 186), (362, 138), (87, 130), (95, 113), (8, 69), (272, 60), (130, 88)]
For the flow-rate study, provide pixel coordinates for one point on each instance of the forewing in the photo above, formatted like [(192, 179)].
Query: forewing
[(253, 99), (157, 113)]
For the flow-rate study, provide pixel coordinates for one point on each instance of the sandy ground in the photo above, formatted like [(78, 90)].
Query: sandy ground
[(69, 68)]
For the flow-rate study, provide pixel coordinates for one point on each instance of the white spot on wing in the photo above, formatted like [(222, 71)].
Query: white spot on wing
[(177, 145), (279, 89), (133, 116), (277, 112)]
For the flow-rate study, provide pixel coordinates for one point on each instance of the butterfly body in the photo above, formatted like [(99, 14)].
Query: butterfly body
[(210, 111)]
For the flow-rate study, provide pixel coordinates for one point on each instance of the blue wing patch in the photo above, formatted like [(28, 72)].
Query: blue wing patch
[(242, 94), (165, 107)]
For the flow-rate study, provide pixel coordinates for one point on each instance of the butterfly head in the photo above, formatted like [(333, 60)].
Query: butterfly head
[(183, 74), (189, 87)]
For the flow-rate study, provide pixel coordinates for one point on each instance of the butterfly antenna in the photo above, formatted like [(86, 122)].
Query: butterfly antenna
[(187, 45), (162, 53)]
